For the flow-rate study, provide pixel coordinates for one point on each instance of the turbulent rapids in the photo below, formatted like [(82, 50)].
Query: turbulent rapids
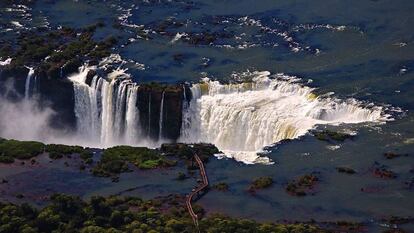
[(241, 119)]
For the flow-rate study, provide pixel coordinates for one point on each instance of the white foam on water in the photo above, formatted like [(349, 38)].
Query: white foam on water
[(16, 24), (177, 37), (6, 62)]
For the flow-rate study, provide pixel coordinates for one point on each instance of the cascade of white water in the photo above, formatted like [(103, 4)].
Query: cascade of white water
[(149, 115), (106, 110), (83, 103), (95, 109), (120, 107), (160, 135), (36, 87), (27, 87), (132, 117), (241, 119)]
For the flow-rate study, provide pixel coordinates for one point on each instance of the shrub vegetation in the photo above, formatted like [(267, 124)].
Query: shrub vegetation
[(126, 215), (13, 149), (115, 160)]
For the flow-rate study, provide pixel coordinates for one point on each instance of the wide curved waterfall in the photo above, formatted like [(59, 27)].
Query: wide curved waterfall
[(241, 119)]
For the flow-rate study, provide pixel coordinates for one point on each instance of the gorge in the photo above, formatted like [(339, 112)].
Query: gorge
[(241, 117), (301, 113)]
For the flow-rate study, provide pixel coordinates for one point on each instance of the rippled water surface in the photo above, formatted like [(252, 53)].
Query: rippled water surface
[(358, 49)]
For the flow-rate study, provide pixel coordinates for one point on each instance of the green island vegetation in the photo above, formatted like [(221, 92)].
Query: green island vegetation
[(115, 160), (24, 150), (57, 151), (62, 50), (222, 186), (329, 136), (128, 214), (13, 149), (186, 151), (260, 183), (302, 185)]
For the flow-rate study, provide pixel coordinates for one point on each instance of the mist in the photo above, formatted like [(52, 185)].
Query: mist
[(24, 120)]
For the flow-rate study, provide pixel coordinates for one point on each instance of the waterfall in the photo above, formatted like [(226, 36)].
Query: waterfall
[(132, 116), (120, 107), (94, 92), (35, 88), (84, 104), (28, 83), (106, 110), (243, 118), (161, 117), (149, 115)]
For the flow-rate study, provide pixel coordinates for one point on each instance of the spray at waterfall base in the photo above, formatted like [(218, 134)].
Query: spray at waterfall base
[(239, 118)]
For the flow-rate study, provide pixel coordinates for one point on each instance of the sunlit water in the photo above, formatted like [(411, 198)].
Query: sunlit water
[(359, 49)]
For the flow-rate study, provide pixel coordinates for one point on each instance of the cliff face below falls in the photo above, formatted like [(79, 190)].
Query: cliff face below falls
[(58, 93), (149, 105)]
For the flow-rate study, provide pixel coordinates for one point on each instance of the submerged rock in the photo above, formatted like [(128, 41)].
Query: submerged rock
[(303, 185), (384, 173), (181, 176), (222, 186), (346, 170), (89, 77), (391, 155)]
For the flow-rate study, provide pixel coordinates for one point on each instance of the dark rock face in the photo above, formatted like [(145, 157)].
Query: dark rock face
[(149, 106), (13, 79), (173, 104), (89, 77), (57, 94), (71, 67)]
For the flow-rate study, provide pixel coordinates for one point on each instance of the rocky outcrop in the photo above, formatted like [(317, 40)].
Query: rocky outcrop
[(12, 82), (59, 95), (149, 106)]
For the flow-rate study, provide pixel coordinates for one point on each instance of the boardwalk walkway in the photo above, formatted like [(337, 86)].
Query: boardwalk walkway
[(196, 191)]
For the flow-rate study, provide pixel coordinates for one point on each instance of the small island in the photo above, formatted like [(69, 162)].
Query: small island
[(260, 183), (303, 185)]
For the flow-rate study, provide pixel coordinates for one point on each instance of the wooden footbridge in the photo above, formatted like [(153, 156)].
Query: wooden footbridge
[(197, 191)]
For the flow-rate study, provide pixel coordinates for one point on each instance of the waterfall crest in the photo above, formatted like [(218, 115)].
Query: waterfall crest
[(28, 86), (243, 118), (240, 118)]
